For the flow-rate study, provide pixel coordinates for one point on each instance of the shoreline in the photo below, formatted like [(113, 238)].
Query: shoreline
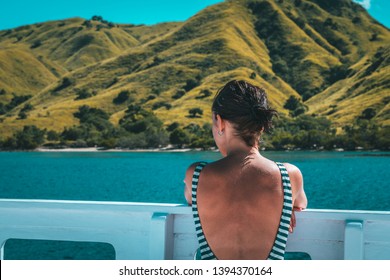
[(97, 149), (174, 150)]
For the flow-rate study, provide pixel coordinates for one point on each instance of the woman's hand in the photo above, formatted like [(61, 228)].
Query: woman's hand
[(293, 221)]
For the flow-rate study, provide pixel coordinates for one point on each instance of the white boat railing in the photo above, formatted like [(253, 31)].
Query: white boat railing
[(139, 231)]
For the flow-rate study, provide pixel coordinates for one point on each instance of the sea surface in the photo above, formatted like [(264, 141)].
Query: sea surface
[(332, 180)]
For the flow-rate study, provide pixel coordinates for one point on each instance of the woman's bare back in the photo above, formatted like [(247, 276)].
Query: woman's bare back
[(240, 208)]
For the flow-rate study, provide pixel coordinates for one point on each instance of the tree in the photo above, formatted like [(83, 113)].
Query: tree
[(374, 37), (122, 97), (72, 133), (292, 103), (253, 75), (94, 117), (84, 94), (190, 84), (52, 135), (28, 107), (179, 94), (172, 126), (22, 115), (299, 111), (64, 84), (337, 73), (368, 114), (86, 113), (179, 137), (138, 120), (298, 3), (3, 109), (97, 18), (16, 100), (36, 44), (161, 104), (30, 137), (194, 112), (156, 137), (87, 23), (204, 93), (295, 106)]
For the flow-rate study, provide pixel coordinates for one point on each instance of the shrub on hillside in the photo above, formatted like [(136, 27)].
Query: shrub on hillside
[(122, 97), (180, 93), (194, 112), (23, 112), (295, 106), (204, 93), (15, 101), (3, 109), (368, 114), (36, 44), (337, 73), (179, 137), (160, 104), (65, 82), (94, 117), (29, 138), (84, 94), (87, 23), (173, 126), (190, 84), (137, 120), (52, 135), (253, 75)]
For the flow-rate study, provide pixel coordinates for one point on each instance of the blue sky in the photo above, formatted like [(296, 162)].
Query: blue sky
[(15, 13)]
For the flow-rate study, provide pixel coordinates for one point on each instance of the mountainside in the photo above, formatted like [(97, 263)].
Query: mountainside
[(330, 54)]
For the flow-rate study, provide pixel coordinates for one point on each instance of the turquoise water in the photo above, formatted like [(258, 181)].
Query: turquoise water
[(333, 180)]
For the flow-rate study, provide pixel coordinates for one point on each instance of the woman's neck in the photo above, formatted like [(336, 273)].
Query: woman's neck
[(241, 149)]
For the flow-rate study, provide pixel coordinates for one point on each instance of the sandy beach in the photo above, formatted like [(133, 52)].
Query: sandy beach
[(98, 149)]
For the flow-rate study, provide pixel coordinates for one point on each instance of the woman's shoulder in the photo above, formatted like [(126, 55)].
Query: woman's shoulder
[(295, 175), (191, 168), (195, 164), (292, 169)]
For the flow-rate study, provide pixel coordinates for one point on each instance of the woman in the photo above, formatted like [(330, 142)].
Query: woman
[(243, 203)]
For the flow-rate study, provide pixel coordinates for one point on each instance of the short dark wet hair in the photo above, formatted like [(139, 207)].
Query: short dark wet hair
[(246, 107)]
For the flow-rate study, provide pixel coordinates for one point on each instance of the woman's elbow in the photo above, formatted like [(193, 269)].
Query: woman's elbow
[(188, 196), (301, 202)]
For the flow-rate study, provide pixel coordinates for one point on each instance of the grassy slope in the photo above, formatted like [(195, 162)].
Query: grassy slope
[(368, 87), (22, 73), (218, 44), (54, 60), (345, 32), (354, 28)]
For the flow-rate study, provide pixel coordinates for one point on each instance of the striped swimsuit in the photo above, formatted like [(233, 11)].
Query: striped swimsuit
[(277, 252)]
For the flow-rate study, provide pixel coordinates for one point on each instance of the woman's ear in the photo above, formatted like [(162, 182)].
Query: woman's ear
[(220, 123)]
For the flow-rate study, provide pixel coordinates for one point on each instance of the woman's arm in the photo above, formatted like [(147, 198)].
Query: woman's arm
[(299, 196), (296, 178)]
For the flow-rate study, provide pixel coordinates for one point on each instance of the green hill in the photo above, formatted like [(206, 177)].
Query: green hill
[(330, 54)]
